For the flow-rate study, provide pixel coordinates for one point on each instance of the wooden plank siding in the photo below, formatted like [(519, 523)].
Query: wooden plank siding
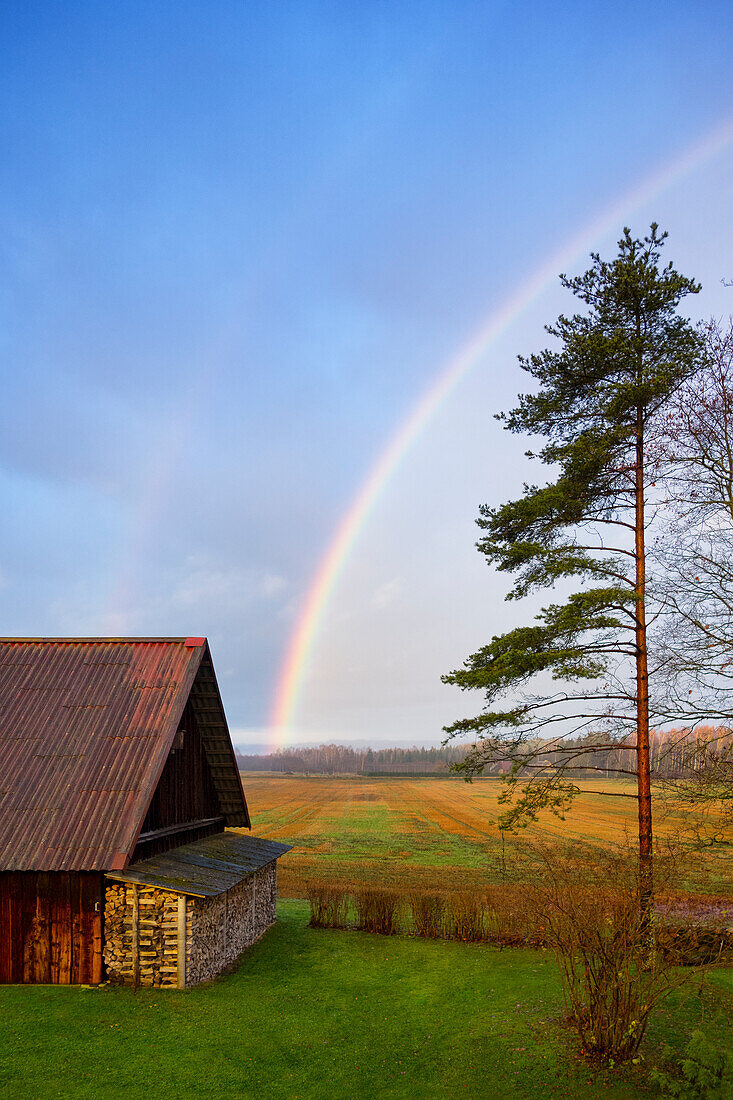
[(185, 794), (51, 927)]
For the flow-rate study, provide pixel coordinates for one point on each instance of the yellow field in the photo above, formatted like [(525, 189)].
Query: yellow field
[(432, 832)]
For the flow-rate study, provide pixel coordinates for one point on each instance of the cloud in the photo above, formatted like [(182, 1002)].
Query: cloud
[(272, 585), (205, 585), (386, 594)]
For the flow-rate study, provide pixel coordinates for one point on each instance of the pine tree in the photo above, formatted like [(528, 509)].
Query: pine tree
[(582, 666)]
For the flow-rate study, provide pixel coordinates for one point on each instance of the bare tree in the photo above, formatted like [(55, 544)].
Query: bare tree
[(694, 561), (698, 779), (694, 553)]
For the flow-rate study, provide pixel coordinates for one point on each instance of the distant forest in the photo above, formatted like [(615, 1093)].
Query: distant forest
[(673, 753), (345, 760)]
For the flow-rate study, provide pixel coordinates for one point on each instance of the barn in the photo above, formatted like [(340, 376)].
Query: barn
[(119, 791)]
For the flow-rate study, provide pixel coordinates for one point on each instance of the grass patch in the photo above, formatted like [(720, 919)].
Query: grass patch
[(320, 1014)]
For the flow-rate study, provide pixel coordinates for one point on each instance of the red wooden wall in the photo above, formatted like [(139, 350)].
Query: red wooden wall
[(51, 927)]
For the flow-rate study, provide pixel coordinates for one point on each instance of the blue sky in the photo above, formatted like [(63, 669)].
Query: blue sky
[(238, 242)]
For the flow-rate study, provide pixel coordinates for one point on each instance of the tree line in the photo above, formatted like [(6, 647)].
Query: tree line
[(346, 760), (674, 754)]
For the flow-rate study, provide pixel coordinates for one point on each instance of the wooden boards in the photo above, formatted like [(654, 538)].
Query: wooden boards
[(51, 927)]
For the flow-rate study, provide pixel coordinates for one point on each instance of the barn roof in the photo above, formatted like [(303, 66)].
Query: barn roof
[(86, 725), (205, 868)]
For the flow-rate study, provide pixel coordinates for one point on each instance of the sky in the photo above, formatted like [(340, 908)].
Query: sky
[(243, 243)]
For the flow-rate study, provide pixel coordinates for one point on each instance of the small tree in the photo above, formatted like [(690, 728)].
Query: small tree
[(615, 368)]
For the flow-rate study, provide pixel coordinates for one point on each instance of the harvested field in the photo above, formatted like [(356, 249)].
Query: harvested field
[(435, 833)]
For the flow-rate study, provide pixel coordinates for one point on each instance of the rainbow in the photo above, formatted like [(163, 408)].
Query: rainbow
[(330, 568)]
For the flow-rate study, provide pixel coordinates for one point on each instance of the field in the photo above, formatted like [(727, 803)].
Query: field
[(437, 833), (320, 1015)]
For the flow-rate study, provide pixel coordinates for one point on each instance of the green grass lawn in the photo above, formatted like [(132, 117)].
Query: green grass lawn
[(328, 1014)]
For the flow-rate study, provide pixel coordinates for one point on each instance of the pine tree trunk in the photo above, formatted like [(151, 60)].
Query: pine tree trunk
[(646, 885)]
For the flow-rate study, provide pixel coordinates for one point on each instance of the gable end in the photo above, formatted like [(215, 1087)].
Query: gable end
[(209, 714)]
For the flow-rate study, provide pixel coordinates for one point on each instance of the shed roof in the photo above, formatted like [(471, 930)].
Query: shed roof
[(86, 725), (205, 868)]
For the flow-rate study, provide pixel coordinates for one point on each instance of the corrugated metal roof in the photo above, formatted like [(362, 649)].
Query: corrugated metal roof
[(206, 867), (85, 729)]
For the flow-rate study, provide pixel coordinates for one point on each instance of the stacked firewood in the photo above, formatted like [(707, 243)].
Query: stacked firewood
[(141, 929), (204, 938), (117, 934), (265, 903), (142, 951)]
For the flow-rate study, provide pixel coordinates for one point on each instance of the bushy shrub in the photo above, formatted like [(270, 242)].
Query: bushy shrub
[(377, 910), (512, 917), (504, 915), (615, 961), (329, 903), (467, 917), (428, 913)]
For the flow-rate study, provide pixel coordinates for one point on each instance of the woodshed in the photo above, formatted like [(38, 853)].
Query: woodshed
[(118, 793)]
